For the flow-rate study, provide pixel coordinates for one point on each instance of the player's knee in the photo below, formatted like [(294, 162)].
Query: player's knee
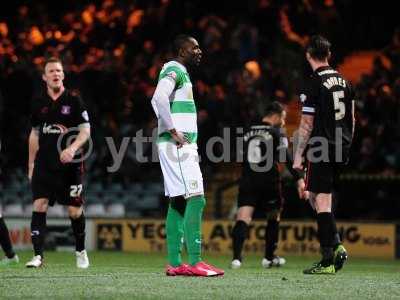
[(74, 212), (244, 217), (323, 208), (40, 205), (245, 214), (274, 216), (323, 204)]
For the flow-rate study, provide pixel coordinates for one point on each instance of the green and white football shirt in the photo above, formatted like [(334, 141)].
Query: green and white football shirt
[(183, 108)]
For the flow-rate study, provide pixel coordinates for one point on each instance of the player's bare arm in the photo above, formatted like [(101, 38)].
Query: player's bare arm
[(68, 154), (305, 129), (33, 149)]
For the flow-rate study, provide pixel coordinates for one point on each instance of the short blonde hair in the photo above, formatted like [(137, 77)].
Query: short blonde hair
[(50, 60)]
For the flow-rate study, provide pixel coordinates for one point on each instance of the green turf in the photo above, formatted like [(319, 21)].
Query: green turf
[(141, 276)]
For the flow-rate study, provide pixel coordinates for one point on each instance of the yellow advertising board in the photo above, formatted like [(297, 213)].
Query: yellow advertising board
[(296, 238)]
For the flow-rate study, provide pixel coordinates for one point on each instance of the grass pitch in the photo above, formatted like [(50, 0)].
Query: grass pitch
[(114, 275)]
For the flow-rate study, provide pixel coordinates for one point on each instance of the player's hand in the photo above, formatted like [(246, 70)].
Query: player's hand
[(67, 155), (298, 163), (179, 138), (301, 186)]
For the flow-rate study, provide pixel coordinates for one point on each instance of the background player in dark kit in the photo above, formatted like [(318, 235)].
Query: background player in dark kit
[(260, 185)]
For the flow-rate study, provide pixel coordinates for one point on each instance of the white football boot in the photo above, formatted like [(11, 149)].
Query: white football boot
[(236, 264), (82, 259), (35, 262), (275, 262), (9, 261)]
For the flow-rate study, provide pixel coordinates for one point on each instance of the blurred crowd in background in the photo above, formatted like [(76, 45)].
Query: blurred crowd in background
[(252, 54)]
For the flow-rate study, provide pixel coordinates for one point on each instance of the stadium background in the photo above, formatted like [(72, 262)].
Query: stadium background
[(252, 54)]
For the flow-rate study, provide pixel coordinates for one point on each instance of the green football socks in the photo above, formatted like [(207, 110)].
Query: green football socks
[(187, 226), (174, 228), (192, 224)]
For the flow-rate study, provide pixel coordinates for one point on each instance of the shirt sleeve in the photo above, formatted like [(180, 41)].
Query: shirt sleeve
[(174, 74), (35, 122), (309, 97), (160, 101), (81, 116)]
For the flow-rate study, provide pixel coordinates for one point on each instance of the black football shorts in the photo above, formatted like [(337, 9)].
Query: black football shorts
[(64, 187), (321, 176), (264, 197)]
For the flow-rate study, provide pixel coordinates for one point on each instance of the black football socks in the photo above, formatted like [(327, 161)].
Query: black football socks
[(271, 238), (239, 235), (336, 236), (326, 234), (78, 228), (38, 231), (5, 241)]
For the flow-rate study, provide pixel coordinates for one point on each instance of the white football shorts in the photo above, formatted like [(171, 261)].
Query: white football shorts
[(181, 170)]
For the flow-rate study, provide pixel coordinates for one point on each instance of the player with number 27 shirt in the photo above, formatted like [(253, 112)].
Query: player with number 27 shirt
[(55, 164)]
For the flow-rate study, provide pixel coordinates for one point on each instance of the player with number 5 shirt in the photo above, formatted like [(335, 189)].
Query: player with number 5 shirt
[(325, 136)]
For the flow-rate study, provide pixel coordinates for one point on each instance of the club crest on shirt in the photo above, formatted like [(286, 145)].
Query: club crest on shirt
[(303, 98), (193, 184), (44, 110), (66, 109)]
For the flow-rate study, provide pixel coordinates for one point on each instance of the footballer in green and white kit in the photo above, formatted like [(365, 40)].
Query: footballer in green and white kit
[(175, 109)]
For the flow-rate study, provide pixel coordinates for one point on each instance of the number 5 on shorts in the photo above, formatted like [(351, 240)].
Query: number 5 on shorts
[(76, 190)]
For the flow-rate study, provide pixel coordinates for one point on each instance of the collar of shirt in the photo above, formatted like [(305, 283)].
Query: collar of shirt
[(320, 69), (58, 100)]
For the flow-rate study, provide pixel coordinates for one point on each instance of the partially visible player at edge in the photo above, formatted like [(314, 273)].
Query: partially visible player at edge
[(327, 113), (10, 257), (175, 109), (57, 176)]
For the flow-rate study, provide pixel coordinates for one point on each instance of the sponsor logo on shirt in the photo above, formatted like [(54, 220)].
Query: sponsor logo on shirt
[(54, 129)]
